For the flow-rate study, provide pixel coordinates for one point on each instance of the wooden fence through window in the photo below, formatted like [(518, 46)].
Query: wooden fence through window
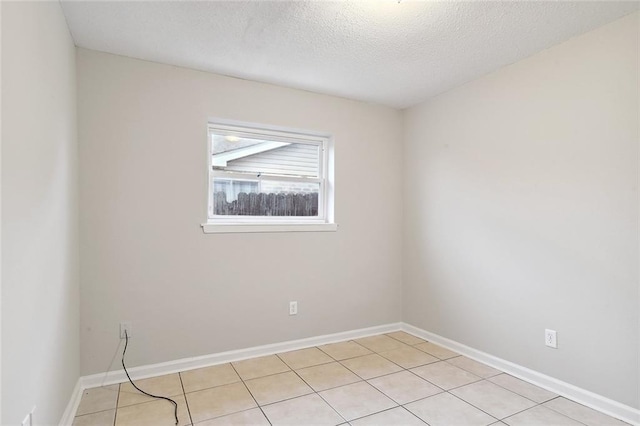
[(267, 204)]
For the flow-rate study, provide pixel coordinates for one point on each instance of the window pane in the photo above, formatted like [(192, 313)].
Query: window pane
[(231, 188), (261, 156), (265, 198)]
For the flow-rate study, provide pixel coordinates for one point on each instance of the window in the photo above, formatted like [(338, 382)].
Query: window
[(266, 179)]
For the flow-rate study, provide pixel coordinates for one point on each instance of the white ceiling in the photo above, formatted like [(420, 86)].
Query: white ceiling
[(397, 54)]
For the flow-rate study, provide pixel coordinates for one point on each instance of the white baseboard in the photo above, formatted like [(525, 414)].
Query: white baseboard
[(597, 402), (152, 370), (590, 399), (72, 406)]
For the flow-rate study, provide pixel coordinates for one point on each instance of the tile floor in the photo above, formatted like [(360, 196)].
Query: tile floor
[(388, 379)]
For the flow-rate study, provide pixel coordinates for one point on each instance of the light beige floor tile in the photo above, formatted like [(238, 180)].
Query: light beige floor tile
[(98, 399), (581, 413), (395, 417), (325, 376), (437, 351), (492, 399), (523, 388), (407, 338), (208, 377), (475, 367), (301, 411), (446, 410), (154, 413), (278, 387), (305, 358), (219, 401), (370, 366), (404, 387), (253, 417), (357, 400), (408, 357), (259, 367), (102, 418), (168, 385), (540, 416), (445, 375), (380, 343), (344, 350)]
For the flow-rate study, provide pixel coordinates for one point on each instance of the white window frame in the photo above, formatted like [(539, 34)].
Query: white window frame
[(229, 224)]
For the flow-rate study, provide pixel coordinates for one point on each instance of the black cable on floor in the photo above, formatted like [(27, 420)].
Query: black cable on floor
[(126, 342)]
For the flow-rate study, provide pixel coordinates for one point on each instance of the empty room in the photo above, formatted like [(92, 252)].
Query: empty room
[(381, 212)]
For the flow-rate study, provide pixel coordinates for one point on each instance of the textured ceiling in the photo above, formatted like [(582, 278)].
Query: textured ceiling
[(397, 54)]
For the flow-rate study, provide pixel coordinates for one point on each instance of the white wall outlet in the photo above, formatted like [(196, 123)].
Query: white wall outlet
[(125, 326), (293, 308), (551, 338)]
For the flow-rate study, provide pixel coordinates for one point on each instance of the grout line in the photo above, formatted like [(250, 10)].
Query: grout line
[(420, 377), (374, 377), (287, 399), (333, 408), (186, 403), (320, 396), (258, 377), (478, 408), (362, 379), (248, 390), (473, 372), (408, 344), (522, 411), (94, 412), (518, 393), (563, 414), (377, 412), (335, 387), (350, 357), (309, 366), (413, 414), (247, 380), (115, 414), (409, 402), (461, 386)]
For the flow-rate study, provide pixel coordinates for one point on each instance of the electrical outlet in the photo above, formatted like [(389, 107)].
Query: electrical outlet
[(125, 326), (293, 308), (551, 338)]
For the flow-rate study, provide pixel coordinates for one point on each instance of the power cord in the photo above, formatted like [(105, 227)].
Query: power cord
[(126, 343)]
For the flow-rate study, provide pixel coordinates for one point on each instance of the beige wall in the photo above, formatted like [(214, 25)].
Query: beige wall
[(520, 200), (521, 212), (143, 146), (40, 290)]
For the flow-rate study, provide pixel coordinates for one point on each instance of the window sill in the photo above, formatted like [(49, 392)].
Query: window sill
[(210, 228)]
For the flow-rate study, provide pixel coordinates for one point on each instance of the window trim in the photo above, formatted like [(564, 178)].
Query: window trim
[(233, 224), (231, 228)]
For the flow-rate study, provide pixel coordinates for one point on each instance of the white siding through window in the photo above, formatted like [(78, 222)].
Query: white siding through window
[(294, 159)]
